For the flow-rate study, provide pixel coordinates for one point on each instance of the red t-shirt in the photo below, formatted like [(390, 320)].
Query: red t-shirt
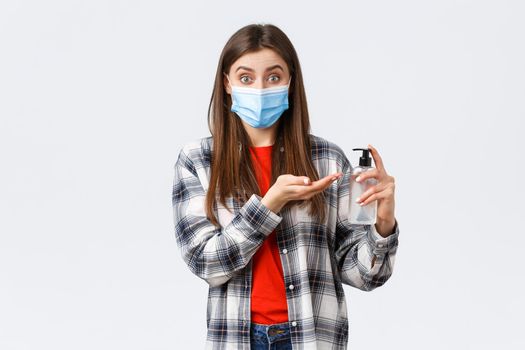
[(268, 296)]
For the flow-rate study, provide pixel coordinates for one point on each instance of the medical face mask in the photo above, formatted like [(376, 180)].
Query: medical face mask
[(260, 108)]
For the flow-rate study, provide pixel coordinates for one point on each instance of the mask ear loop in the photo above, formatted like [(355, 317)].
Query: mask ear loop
[(289, 82)]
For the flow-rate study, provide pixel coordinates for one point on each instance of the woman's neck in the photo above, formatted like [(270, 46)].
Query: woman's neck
[(261, 137)]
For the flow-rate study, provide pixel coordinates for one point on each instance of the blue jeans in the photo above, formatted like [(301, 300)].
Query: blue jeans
[(270, 337)]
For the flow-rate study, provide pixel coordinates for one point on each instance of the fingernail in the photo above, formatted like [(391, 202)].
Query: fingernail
[(333, 178), (306, 181), (358, 179), (361, 204), (358, 199)]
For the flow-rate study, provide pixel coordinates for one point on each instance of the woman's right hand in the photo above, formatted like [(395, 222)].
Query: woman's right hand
[(288, 187)]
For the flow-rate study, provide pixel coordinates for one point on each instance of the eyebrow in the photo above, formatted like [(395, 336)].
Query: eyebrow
[(267, 69)]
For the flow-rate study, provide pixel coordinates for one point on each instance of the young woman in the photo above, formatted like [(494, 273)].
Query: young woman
[(261, 208)]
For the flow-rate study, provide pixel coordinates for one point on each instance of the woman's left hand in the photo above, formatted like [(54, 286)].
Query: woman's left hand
[(383, 192)]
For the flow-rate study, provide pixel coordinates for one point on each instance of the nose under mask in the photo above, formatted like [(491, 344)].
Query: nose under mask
[(260, 108)]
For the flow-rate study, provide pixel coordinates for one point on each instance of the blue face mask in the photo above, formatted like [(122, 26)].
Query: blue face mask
[(259, 107)]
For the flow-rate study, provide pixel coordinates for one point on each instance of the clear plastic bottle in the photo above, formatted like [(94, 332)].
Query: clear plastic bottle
[(366, 214)]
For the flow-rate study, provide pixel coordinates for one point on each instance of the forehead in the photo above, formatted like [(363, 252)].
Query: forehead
[(259, 60)]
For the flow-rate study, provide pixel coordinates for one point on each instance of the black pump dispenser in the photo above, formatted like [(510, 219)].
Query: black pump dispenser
[(365, 159)]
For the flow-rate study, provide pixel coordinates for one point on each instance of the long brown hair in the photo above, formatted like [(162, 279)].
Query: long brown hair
[(232, 172)]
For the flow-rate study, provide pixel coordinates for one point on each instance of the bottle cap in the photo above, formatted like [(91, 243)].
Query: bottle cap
[(365, 159)]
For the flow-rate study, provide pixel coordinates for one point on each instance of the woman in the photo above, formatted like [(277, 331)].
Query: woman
[(261, 206)]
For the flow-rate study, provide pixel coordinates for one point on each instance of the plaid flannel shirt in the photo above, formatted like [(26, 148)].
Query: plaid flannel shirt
[(317, 258)]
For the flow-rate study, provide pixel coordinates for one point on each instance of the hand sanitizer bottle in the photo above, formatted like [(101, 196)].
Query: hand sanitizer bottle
[(366, 214)]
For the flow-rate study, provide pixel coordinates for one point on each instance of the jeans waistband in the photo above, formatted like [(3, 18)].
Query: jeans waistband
[(271, 330)]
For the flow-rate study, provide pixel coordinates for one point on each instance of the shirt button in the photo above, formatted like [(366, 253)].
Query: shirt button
[(380, 245), (294, 323), (291, 286), (285, 250)]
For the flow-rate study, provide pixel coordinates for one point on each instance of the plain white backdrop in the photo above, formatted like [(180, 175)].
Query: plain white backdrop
[(97, 98)]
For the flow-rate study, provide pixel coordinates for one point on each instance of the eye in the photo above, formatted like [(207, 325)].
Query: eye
[(244, 80), (274, 76)]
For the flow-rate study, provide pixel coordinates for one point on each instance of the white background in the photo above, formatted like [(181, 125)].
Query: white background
[(97, 97)]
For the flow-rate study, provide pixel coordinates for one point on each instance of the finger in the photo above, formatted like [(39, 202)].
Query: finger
[(300, 180), (305, 180), (327, 180), (371, 198), (375, 173), (377, 158), (386, 193), (320, 185), (370, 191)]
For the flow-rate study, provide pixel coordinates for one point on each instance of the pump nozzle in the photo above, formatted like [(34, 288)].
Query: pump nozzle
[(365, 159)]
